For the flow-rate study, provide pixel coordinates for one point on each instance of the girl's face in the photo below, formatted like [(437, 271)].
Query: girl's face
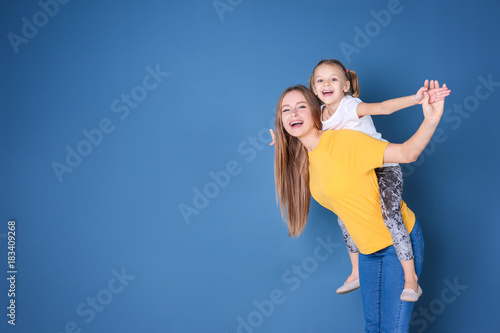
[(296, 114), (330, 84)]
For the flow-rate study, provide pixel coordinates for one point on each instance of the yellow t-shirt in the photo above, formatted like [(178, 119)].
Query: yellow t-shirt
[(342, 179)]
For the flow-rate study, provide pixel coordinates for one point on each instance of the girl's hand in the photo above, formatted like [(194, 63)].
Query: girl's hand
[(419, 96), (272, 135), (435, 93), (434, 111)]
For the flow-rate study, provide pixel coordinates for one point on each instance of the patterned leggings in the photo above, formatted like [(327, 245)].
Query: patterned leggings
[(390, 181)]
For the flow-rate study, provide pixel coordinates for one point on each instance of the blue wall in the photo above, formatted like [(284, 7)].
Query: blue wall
[(134, 162)]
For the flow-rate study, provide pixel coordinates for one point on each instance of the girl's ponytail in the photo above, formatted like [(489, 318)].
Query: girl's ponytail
[(353, 78)]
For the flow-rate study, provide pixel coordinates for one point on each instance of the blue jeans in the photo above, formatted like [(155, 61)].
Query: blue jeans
[(382, 281)]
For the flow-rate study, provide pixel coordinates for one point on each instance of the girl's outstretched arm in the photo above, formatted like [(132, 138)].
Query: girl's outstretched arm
[(396, 104), (410, 150)]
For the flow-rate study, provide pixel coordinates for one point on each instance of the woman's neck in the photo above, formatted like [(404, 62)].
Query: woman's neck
[(311, 139)]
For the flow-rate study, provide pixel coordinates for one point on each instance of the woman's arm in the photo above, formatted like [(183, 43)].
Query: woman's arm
[(410, 150), (392, 105)]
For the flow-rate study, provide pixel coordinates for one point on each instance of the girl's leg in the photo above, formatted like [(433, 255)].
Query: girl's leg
[(390, 181), (396, 314), (352, 282), (354, 256), (353, 252), (411, 278), (349, 243)]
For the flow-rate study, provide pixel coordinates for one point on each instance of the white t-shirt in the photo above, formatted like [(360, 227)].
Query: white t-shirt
[(346, 117)]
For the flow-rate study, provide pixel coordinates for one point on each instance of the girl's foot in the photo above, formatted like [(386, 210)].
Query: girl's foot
[(409, 295), (352, 278), (412, 285), (352, 283), (412, 290)]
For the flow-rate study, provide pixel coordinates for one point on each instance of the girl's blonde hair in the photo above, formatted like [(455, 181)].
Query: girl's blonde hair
[(291, 166), (350, 76)]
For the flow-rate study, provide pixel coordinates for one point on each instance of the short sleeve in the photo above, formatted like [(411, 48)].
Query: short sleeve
[(350, 107)]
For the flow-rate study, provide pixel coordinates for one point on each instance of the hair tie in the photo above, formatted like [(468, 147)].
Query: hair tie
[(347, 70)]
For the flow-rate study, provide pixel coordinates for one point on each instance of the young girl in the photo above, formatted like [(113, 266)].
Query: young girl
[(337, 88)]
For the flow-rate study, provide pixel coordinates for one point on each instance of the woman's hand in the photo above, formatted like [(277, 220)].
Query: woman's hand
[(434, 110), (272, 135), (410, 150)]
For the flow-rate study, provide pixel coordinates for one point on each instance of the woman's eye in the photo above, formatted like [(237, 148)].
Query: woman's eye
[(302, 106), (285, 110)]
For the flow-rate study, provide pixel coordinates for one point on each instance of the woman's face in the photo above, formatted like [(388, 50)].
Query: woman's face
[(296, 114)]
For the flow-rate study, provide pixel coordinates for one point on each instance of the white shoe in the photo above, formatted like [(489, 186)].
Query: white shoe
[(348, 287), (409, 295)]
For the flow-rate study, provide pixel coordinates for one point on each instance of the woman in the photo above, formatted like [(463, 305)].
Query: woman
[(337, 168)]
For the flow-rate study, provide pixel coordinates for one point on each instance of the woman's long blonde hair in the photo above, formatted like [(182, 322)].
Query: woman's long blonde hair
[(291, 166)]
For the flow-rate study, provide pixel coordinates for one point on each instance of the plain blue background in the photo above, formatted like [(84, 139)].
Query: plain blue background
[(119, 210)]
